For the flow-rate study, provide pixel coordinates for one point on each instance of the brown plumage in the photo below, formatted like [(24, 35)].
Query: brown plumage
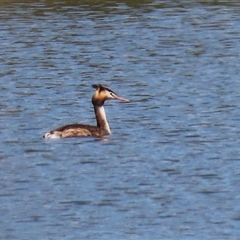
[(82, 130)]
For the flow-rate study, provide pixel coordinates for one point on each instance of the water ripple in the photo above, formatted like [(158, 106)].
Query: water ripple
[(170, 168)]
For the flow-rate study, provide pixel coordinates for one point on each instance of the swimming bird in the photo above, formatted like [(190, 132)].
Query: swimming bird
[(81, 130)]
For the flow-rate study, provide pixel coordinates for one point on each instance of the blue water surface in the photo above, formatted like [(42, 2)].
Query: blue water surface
[(170, 169)]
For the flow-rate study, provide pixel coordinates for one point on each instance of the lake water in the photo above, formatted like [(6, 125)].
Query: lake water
[(170, 169)]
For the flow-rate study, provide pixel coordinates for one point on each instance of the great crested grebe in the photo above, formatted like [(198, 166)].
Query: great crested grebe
[(81, 130)]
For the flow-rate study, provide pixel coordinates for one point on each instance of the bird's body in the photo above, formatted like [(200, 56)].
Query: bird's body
[(82, 130)]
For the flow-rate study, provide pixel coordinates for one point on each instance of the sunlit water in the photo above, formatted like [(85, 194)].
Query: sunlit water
[(170, 169)]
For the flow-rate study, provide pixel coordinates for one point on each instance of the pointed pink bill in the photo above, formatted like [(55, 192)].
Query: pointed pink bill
[(121, 98)]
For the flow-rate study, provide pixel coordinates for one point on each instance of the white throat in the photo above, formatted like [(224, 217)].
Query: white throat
[(101, 118)]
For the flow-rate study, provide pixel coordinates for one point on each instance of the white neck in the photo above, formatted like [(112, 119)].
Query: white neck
[(101, 118)]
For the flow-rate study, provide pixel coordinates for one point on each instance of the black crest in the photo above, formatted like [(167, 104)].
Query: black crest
[(101, 88)]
